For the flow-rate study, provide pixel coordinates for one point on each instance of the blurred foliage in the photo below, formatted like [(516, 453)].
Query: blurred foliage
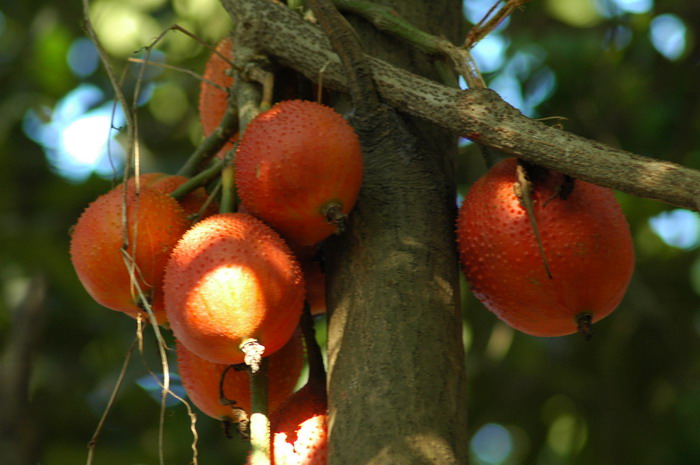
[(631, 395)]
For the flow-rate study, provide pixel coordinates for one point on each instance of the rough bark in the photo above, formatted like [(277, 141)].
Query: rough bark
[(478, 114)]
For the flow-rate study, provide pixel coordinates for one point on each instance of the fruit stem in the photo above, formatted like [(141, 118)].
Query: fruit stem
[(211, 144), (334, 214), (259, 421), (253, 351), (198, 180), (317, 370), (584, 325), (228, 190)]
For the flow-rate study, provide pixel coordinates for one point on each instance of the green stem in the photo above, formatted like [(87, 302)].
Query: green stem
[(198, 180), (259, 421), (213, 143), (386, 19), (228, 190), (317, 370)]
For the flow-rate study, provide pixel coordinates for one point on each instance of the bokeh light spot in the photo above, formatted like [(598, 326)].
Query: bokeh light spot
[(489, 53), (492, 444), (82, 57), (78, 136), (678, 228), (576, 13), (668, 35)]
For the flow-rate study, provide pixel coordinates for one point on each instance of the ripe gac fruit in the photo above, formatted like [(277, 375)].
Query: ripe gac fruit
[(586, 241), (201, 379), (212, 100), (155, 223), (231, 278), (298, 164)]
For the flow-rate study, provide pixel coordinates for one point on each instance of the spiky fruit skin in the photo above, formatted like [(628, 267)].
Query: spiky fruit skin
[(155, 224), (293, 161), (229, 279), (192, 203), (586, 241), (212, 100), (201, 379), (299, 428)]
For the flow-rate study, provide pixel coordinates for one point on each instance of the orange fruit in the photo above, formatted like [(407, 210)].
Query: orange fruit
[(586, 241), (155, 222), (296, 164), (231, 278), (299, 428), (212, 100), (201, 379)]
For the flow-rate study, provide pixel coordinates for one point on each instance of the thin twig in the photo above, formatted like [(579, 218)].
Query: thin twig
[(100, 425), (484, 27), (179, 69)]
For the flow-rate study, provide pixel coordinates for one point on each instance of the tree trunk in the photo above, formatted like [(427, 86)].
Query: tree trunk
[(396, 374), (397, 385)]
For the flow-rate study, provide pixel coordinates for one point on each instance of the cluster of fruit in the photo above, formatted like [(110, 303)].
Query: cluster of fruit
[(232, 285), (549, 256)]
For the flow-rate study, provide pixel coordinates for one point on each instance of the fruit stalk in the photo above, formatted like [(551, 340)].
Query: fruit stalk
[(317, 371), (211, 144), (259, 421)]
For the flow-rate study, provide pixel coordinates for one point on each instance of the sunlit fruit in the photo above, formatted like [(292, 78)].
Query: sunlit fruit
[(201, 379), (299, 168), (213, 101), (586, 242), (232, 279), (154, 221)]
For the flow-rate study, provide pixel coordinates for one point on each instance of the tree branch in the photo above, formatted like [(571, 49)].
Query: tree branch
[(478, 114)]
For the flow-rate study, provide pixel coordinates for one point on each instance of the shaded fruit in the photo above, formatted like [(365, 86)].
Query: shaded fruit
[(201, 379), (585, 238), (212, 100), (232, 278), (298, 164), (315, 280), (155, 223)]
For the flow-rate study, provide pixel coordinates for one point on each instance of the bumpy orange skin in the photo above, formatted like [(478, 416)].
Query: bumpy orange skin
[(201, 379), (212, 100), (299, 429), (155, 224), (292, 162), (586, 240), (232, 278)]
